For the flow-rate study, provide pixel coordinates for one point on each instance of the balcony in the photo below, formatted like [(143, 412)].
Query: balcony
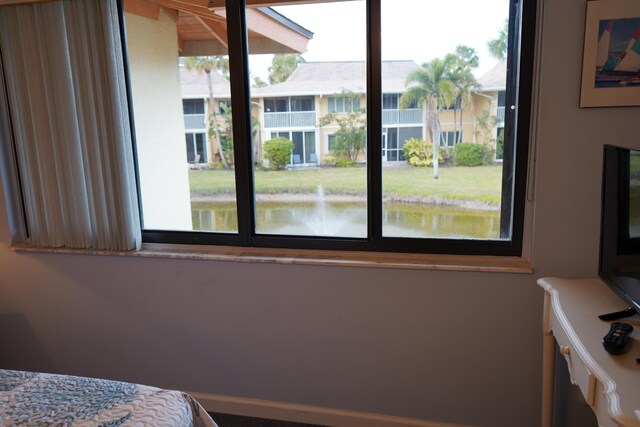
[(409, 116), (293, 119), (194, 121)]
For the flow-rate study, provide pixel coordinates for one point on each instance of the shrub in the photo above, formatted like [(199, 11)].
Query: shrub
[(418, 155), (343, 162), (278, 152), (468, 154)]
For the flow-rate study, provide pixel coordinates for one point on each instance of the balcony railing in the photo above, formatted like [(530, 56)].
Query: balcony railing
[(500, 114), (194, 121), (293, 119), (410, 116)]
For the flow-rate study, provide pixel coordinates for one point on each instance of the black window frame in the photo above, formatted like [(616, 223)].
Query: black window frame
[(521, 40)]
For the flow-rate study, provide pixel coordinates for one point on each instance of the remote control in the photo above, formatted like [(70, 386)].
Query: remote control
[(617, 337)]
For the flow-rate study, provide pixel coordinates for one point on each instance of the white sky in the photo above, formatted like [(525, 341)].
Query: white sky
[(411, 29)]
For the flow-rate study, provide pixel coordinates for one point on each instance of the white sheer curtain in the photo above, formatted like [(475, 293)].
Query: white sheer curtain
[(65, 86)]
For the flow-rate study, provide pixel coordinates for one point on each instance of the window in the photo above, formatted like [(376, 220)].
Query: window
[(456, 105), (224, 105), (276, 105), (450, 138), (193, 106), (196, 149), (390, 101), (343, 104), (361, 204)]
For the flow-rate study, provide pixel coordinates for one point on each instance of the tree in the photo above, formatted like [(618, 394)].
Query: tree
[(208, 64), (462, 63), (498, 46), (225, 130), (429, 85), (258, 82), (282, 66)]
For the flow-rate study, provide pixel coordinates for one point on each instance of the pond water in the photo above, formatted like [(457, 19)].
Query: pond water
[(349, 219)]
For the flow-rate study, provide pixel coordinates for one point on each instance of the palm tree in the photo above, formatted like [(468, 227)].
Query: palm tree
[(429, 85), (498, 46), (462, 63), (282, 66), (208, 64)]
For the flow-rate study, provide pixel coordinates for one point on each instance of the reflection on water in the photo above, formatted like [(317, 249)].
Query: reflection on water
[(349, 219)]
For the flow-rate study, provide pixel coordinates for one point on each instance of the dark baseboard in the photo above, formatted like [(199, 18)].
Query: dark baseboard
[(229, 420)]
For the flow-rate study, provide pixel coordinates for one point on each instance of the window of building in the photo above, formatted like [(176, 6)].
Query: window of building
[(450, 138), (456, 105), (193, 106), (343, 104), (390, 101), (196, 148)]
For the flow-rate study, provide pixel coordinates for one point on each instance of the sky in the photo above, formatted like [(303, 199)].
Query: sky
[(411, 29)]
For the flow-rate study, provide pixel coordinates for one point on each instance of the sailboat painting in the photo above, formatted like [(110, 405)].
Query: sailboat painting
[(611, 61), (618, 53)]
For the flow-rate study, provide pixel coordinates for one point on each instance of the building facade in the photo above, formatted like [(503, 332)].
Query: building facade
[(298, 108)]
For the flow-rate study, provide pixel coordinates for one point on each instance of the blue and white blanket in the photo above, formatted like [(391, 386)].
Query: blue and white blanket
[(36, 399)]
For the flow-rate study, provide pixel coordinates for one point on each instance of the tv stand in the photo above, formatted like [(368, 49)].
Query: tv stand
[(616, 315), (608, 383)]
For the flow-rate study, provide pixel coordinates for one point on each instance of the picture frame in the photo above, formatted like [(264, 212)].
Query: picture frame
[(611, 59)]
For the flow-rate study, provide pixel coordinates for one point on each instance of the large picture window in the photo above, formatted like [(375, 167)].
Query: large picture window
[(384, 136), (297, 163)]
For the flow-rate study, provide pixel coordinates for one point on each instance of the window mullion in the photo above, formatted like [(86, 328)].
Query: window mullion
[(241, 118), (374, 121)]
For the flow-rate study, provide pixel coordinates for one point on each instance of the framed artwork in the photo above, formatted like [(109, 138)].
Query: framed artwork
[(611, 62)]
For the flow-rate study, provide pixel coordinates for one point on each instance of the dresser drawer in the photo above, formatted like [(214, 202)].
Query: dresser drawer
[(578, 371)]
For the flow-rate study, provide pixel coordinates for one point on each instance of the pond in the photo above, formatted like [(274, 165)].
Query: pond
[(340, 218)]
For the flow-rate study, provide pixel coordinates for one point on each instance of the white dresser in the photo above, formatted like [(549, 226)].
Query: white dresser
[(610, 384)]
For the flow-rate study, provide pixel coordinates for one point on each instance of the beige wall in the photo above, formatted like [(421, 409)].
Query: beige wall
[(164, 180), (341, 337)]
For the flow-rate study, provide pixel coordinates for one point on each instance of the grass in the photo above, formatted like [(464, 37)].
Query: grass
[(480, 183)]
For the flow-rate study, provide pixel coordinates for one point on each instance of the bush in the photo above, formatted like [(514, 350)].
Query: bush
[(278, 152), (417, 154), (468, 154)]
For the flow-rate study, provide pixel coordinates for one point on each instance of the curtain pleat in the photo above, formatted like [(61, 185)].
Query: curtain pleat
[(66, 93)]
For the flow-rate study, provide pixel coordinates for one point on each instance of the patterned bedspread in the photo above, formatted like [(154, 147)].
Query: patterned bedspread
[(35, 399)]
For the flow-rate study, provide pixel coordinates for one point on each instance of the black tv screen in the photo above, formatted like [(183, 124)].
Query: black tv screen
[(619, 263)]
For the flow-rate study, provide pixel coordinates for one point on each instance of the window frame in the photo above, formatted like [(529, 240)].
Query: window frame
[(522, 17)]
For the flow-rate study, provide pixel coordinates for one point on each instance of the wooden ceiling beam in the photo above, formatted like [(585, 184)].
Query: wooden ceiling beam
[(195, 7), (211, 27), (220, 4)]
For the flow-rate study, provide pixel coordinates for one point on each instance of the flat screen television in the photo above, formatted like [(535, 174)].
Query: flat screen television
[(619, 264)]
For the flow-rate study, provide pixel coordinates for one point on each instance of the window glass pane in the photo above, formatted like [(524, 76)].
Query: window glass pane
[(442, 97), (181, 189), (294, 196)]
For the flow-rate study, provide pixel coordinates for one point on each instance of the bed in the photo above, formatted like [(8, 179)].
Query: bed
[(38, 399)]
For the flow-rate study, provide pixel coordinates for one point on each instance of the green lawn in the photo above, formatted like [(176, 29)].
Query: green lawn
[(481, 183)]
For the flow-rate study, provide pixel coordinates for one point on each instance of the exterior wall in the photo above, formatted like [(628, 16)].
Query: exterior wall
[(472, 132), (481, 104), (160, 134)]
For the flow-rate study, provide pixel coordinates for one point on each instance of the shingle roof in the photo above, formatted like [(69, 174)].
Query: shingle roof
[(194, 84), (324, 78), (495, 78)]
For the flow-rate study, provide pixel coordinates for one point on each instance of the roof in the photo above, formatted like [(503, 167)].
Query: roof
[(495, 78), (194, 84), (325, 78)]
